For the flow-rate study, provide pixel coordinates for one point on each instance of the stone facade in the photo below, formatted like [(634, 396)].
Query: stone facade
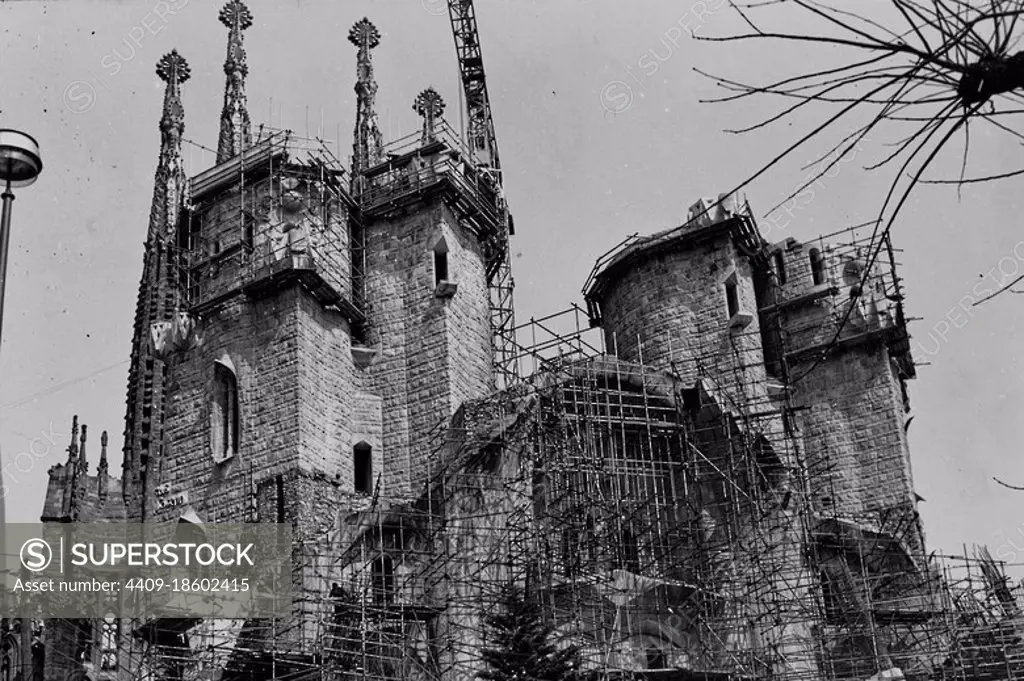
[(833, 330), (433, 350)]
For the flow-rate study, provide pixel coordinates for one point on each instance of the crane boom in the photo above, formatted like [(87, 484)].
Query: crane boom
[(479, 124), (484, 146)]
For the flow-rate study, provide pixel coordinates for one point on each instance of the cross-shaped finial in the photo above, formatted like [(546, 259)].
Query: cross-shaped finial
[(173, 67), (364, 33), (236, 14)]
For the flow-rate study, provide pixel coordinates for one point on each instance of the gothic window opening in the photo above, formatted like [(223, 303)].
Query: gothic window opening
[(383, 580), (817, 267), (440, 262), (224, 412), (110, 629), (362, 467)]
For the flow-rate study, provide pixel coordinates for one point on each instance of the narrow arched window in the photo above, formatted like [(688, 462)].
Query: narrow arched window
[(362, 468), (110, 630), (224, 412), (383, 577), (440, 261), (817, 267)]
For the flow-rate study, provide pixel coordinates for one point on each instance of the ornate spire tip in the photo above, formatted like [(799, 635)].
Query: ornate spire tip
[(364, 33), (173, 65), (235, 13), (428, 102)]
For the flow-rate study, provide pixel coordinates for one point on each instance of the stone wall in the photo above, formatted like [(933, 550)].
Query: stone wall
[(857, 452), (262, 341), (433, 351), (669, 306)]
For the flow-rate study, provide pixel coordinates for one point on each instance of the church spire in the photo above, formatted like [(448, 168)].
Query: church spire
[(368, 145), (170, 172), (235, 127), (159, 293)]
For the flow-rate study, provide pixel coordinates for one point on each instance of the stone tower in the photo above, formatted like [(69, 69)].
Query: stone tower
[(813, 332), (311, 327)]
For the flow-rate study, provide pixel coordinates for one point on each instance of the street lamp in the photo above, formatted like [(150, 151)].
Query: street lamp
[(20, 165)]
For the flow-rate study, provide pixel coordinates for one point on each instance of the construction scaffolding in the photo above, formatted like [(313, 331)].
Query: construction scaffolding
[(279, 211), (684, 519), (437, 162)]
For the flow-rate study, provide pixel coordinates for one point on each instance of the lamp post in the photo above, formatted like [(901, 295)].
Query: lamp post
[(20, 165)]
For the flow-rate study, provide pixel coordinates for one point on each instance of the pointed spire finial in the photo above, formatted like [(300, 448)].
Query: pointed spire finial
[(102, 469), (235, 126), (430, 105), (173, 70), (82, 463), (368, 144), (170, 173), (364, 34), (73, 447)]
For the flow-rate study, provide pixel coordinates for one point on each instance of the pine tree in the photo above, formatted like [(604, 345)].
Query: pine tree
[(522, 648)]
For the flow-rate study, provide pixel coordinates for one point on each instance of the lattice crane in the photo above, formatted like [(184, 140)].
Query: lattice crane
[(482, 142)]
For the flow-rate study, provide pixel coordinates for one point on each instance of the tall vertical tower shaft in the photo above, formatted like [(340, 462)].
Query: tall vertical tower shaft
[(159, 292)]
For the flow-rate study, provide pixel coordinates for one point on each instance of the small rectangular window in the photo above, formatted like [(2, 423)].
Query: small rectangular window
[(383, 575), (280, 499), (362, 467), (732, 299), (248, 233), (440, 267), (780, 267), (817, 267)]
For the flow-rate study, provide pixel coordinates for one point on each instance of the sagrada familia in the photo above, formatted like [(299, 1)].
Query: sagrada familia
[(704, 474)]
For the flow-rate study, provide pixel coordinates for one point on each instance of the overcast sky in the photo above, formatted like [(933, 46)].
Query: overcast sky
[(596, 145)]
